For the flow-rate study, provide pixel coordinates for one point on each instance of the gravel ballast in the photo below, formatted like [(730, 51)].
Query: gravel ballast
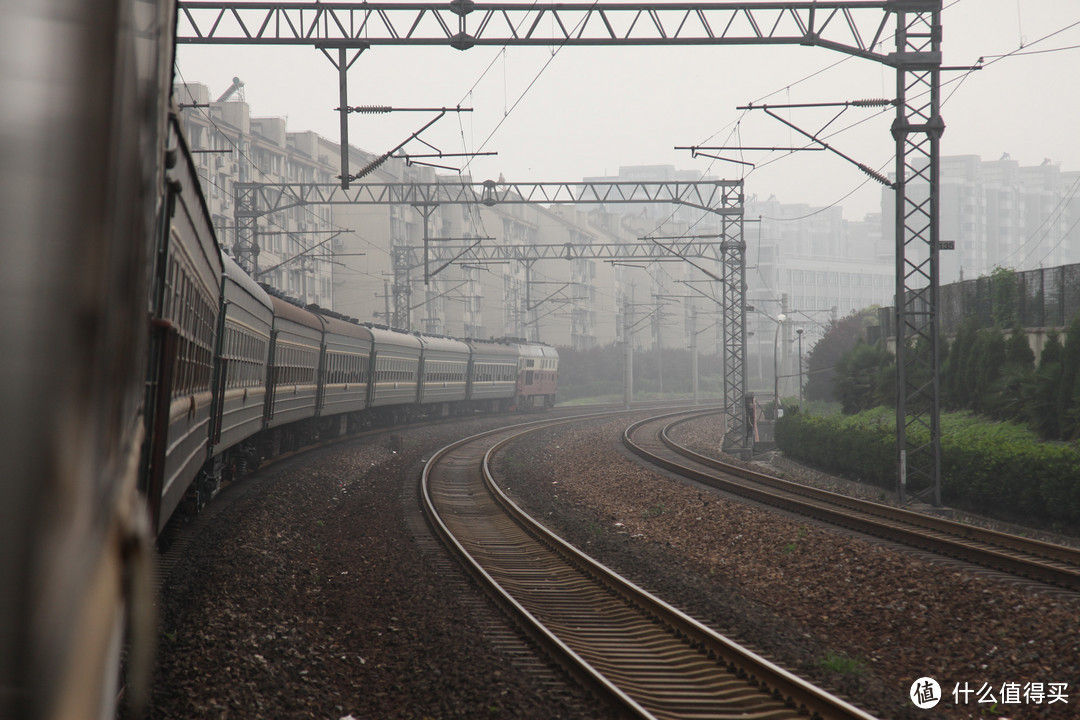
[(857, 617), (311, 597), (316, 594)]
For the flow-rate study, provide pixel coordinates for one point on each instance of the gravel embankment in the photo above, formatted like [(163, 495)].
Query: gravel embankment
[(858, 618), (311, 596)]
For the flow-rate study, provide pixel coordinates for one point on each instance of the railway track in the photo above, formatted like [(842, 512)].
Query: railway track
[(642, 654), (1031, 559)]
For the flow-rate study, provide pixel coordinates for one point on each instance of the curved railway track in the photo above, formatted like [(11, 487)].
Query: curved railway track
[(644, 655), (1031, 559)]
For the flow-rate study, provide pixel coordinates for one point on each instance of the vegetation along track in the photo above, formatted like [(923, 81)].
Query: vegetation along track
[(1032, 559), (639, 652)]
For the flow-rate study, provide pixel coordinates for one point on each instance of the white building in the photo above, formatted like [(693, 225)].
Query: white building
[(809, 265), (1000, 214), (355, 258), (230, 146)]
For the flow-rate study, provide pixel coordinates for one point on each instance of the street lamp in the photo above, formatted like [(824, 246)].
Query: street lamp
[(798, 331), (780, 319)]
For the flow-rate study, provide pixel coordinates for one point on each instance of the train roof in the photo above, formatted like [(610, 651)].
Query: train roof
[(393, 337), (444, 343), (493, 348), (346, 328), (537, 350), (238, 275), (287, 311)]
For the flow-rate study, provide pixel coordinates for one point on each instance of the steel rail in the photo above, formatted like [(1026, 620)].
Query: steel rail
[(1044, 562), (637, 650)]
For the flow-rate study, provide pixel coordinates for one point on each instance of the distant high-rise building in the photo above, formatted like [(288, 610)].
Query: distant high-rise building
[(1001, 214), (810, 265)]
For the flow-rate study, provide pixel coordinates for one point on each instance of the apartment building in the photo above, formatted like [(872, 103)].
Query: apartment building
[(998, 213), (230, 146), (367, 261)]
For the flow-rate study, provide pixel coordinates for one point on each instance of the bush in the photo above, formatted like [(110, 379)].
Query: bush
[(999, 469)]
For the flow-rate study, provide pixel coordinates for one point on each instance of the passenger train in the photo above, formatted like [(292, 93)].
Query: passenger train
[(241, 372), (140, 367), (245, 373)]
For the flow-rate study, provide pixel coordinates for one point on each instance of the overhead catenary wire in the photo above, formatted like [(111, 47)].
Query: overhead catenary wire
[(254, 166), (480, 217), (958, 80)]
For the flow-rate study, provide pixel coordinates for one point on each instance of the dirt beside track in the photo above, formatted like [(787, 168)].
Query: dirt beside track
[(314, 595)]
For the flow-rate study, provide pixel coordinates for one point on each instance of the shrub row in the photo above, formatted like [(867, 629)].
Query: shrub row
[(999, 469)]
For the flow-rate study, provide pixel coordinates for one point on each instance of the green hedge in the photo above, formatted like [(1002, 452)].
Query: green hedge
[(997, 469)]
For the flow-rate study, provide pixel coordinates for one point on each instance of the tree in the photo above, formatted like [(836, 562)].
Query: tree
[(958, 389), (863, 378), (1052, 350), (1006, 397), (822, 359), (1018, 352), (1004, 297), (1042, 391), (1042, 401), (1069, 393), (989, 352)]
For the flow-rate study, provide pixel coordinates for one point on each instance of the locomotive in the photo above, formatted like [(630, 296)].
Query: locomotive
[(140, 366)]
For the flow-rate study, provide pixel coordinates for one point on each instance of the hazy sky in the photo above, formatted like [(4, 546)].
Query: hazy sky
[(592, 110)]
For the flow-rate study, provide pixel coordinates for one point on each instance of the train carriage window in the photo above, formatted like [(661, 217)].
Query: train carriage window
[(239, 364)]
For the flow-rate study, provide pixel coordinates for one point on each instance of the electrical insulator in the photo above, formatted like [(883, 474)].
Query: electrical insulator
[(877, 102)]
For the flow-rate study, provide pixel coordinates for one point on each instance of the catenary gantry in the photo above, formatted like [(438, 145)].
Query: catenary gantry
[(911, 29)]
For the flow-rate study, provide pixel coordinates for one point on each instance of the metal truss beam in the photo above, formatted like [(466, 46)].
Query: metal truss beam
[(855, 27), (917, 130), (738, 438), (343, 31), (572, 251), (718, 196)]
